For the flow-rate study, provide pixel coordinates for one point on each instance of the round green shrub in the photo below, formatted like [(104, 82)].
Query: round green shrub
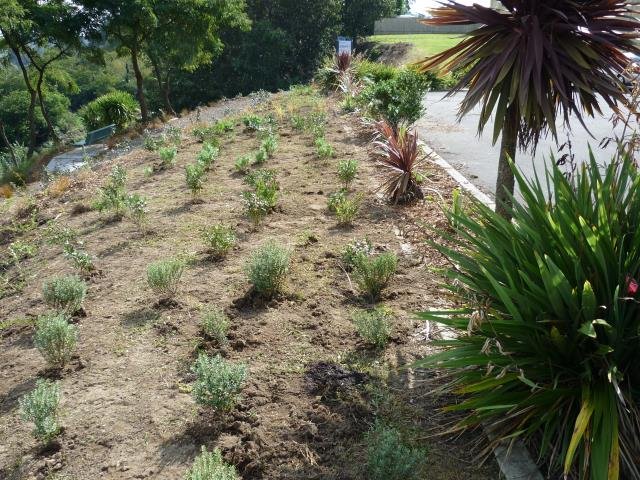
[(268, 267), (211, 466), (218, 382), (372, 273), (55, 339), (117, 108), (65, 294), (40, 406), (164, 277)]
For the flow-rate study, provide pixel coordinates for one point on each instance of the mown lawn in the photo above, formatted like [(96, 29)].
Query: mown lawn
[(424, 44)]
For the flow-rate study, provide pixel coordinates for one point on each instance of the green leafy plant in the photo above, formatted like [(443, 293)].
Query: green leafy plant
[(347, 209), (207, 134), (118, 108), (112, 196), (79, 258), (456, 208), (64, 294), (152, 144), (261, 156), (267, 268), (243, 163), (211, 466), (218, 382), (20, 249), (174, 136), (253, 122), (374, 72), (55, 339), (351, 254), (255, 206), (40, 406), (335, 199), (373, 273), (163, 277), (215, 325), (56, 234), (374, 326), (137, 209), (16, 169), (298, 122), (207, 155), (324, 149), (194, 176), (223, 126), (269, 145), (347, 171), (390, 458), (549, 346), (167, 156), (219, 239)]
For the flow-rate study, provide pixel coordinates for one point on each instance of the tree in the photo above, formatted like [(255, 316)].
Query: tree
[(533, 62), (403, 6), (359, 16)]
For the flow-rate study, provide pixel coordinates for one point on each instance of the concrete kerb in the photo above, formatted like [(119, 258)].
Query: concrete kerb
[(515, 461)]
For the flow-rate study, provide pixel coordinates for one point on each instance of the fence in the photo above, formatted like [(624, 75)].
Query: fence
[(405, 25)]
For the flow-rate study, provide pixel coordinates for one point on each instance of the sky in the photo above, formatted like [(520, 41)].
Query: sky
[(419, 6)]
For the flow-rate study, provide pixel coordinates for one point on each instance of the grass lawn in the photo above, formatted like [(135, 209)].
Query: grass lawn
[(424, 44)]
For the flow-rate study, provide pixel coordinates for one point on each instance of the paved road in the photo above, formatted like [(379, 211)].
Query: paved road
[(475, 156)]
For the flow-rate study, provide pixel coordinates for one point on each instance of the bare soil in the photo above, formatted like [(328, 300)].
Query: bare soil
[(314, 389)]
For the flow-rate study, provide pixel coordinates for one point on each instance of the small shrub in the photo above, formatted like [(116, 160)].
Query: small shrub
[(253, 122), (80, 259), (261, 156), (374, 326), (373, 273), (112, 196), (137, 209), (223, 126), (347, 171), (167, 156), (315, 124), (218, 382), (215, 325), (55, 339), (270, 144), (164, 277), (40, 406), (194, 176), (211, 466), (65, 294), (389, 458), (335, 199), (207, 155), (267, 268), (347, 210), (119, 108), (262, 175), (20, 249), (255, 206), (219, 239), (298, 122), (56, 234), (374, 72), (324, 149), (207, 134), (16, 171), (243, 164), (174, 136), (352, 253), (152, 144)]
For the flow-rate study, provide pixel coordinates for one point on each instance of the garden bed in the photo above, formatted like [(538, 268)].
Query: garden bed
[(314, 388)]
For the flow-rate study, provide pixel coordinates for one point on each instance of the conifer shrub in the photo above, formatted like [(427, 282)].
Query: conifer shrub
[(211, 466), (163, 277), (218, 382), (215, 325), (267, 268), (55, 339), (40, 406), (373, 273), (65, 294), (374, 326), (219, 239)]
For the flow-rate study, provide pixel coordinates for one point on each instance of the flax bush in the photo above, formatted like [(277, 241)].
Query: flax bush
[(163, 277), (373, 273), (215, 325), (55, 339), (267, 268), (40, 406), (211, 466), (218, 382), (219, 239), (65, 294)]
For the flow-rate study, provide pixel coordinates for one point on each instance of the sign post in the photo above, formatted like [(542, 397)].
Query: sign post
[(345, 45)]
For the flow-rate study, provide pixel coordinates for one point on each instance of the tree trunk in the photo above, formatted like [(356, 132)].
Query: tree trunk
[(163, 86), (144, 110), (3, 136), (43, 109), (506, 181)]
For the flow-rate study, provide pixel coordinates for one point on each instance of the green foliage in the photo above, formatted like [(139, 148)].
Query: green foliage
[(374, 326), (21, 249), (359, 16), (215, 325), (168, 156), (345, 208), (55, 234), (137, 209), (64, 294), (261, 156), (347, 171), (397, 100), (373, 273), (207, 155), (211, 466), (40, 406), (194, 176), (153, 144), (218, 382), (174, 136), (55, 339), (374, 72), (389, 458), (324, 149), (352, 253), (223, 126), (163, 277), (267, 268), (255, 206), (269, 145), (253, 122), (298, 122), (243, 163), (219, 239), (456, 208), (80, 259), (335, 199), (16, 171), (118, 108), (112, 196), (549, 342)]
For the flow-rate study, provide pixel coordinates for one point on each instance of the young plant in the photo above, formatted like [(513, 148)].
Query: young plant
[(211, 466), (335, 199), (56, 234), (389, 458), (347, 209), (255, 207), (40, 406), (353, 252), (207, 134), (112, 196), (174, 136), (261, 156), (218, 382), (80, 259), (163, 277), (270, 144), (167, 156), (374, 326), (298, 122), (347, 171), (152, 144), (207, 155), (456, 209), (324, 149), (267, 268), (219, 239), (223, 126), (373, 273), (65, 294), (137, 209), (194, 176), (55, 339), (243, 164), (253, 122), (215, 325), (19, 250)]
